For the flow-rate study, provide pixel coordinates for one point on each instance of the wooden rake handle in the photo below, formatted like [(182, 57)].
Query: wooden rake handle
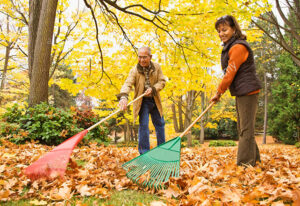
[(115, 112), (196, 120)]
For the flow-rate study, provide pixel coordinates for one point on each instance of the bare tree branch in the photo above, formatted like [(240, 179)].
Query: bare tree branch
[(286, 35), (13, 17), (138, 15), (122, 29), (273, 22), (297, 9), (283, 45), (22, 50), (1, 70), (24, 19), (157, 20), (97, 39), (287, 22), (58, 57)]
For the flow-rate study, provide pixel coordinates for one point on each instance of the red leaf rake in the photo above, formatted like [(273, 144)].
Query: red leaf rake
[(54, 163)]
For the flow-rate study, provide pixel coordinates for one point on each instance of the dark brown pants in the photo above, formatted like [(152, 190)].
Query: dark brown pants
[(246, 107)]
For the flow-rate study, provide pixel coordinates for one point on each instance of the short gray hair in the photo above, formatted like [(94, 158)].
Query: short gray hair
[(147, 48)]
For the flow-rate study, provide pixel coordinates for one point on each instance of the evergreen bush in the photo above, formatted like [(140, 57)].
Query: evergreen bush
[(49, 125)]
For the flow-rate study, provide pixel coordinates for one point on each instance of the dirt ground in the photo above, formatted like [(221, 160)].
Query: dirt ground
[(269, 139)]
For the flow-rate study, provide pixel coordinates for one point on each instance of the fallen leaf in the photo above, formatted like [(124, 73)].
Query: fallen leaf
[(84, 190), (37, 202), (157, 203), (296, 197)]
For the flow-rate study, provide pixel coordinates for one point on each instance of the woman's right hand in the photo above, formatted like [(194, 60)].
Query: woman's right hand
[(215, 98)]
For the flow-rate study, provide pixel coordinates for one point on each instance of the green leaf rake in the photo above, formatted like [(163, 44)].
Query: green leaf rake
[(156, 166)]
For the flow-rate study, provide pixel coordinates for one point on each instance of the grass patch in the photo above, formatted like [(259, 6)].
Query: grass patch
[(196, 143), (125, 197), (127, 144), (16, 203), (297, 145), (222, 143), (80, 162)]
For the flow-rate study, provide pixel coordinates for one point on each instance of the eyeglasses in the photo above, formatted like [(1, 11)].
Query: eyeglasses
[(143, 57)]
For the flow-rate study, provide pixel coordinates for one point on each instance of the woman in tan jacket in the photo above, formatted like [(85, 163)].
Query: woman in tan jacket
[(146, 77)]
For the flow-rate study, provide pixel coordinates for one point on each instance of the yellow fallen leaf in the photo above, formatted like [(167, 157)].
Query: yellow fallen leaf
[(37, 202), (9, 155)]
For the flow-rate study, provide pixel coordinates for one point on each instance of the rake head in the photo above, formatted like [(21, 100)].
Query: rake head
[(54, 163), (156, 166)]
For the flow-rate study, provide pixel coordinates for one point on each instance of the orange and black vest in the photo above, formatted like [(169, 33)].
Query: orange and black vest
[(245, 80)]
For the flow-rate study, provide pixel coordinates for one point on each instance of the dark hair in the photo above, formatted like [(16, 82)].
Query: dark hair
[(231, 21)]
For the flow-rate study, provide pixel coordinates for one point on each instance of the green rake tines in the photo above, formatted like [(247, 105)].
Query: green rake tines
[(156, 166)]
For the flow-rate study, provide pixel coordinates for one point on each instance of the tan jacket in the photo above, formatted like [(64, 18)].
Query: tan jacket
[(136, 78)]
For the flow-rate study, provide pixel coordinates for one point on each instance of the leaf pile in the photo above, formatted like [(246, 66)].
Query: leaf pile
[(209, 176)]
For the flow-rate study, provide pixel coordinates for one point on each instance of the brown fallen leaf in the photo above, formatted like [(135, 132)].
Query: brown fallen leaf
[(296, 197)]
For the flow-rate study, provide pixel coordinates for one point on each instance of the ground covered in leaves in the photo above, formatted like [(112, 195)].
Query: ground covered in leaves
[(209, 176)]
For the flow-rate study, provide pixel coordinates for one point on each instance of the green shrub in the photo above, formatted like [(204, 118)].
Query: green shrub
[(196, 142), (226, 129), (184, 138), (47, 124), (13, 114), (7, 128), (10, 123), (284, 109), (221, 143), (297, 144)]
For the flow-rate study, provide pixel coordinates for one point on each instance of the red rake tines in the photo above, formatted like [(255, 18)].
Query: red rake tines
[(54, 163)]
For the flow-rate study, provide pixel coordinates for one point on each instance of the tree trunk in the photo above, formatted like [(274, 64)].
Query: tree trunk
[(3, 78), (136, 130), (38, 91), (180, 115), (7, 52), (188, 115), (202, 122), (34, 17), (266, 109), (174, 118), (116, 137), (131, 133), (124, 132), (127, 130)]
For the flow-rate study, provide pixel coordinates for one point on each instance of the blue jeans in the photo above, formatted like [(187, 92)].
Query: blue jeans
[(149, 107)]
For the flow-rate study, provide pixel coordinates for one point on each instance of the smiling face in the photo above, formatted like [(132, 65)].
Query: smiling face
[(144, 57), (225, 32)]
